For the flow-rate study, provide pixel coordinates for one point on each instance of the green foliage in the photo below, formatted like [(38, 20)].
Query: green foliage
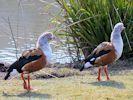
[(90, 22)]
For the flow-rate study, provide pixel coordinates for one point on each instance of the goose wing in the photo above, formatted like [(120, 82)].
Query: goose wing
[(27, 56)]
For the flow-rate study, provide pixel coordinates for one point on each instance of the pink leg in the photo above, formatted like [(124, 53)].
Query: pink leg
[(24, 84), (106, 72), (29, 87), (99, 73)]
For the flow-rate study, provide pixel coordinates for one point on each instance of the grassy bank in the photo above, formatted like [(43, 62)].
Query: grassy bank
[(73, 85)]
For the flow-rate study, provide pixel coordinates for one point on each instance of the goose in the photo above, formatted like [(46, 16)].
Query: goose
[(32, 60), (106, 52)]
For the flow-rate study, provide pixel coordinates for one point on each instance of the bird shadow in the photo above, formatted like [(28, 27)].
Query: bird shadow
[(112, 83), (28, 94)]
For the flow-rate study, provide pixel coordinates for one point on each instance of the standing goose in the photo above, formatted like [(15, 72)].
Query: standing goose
[(32, 60), (106, 52)]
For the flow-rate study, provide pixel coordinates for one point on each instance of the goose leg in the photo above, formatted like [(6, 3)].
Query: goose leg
[(99, 73), (106, 72), (24, 84), (29, 87)]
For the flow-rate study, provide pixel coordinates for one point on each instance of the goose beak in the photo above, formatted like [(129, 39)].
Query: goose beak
[(123, 28), (81, 69)]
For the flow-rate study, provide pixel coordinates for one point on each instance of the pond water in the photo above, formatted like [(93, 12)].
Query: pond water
[(28, 19)]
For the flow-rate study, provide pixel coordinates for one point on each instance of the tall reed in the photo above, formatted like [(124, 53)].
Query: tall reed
[(90, 22)]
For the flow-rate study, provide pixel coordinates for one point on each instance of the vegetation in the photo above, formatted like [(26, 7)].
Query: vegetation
[(90, 22)]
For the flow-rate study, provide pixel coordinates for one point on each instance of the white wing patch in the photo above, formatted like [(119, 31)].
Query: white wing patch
[(87, 65), (14, 72)]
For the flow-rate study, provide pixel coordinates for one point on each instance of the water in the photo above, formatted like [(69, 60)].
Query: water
[(28, 20)]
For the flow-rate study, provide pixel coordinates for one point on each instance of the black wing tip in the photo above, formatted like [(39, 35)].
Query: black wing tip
[(81, 69), (8, 72), (7, 76)]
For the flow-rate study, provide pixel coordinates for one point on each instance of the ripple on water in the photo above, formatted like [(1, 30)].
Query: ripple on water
[(8, 55)]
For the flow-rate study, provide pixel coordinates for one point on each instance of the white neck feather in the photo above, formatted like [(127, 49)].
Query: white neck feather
[(117, 41), (45, 47)]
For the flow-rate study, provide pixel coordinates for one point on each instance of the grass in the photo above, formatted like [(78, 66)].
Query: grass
[(78, 86)]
